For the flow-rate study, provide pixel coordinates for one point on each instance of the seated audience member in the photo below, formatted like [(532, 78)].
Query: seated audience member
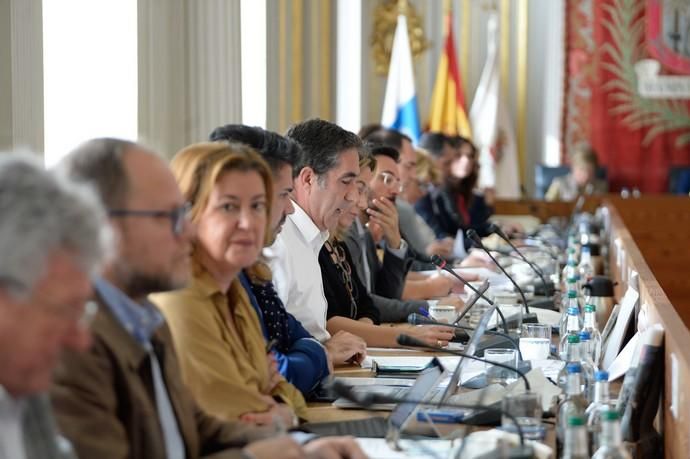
[(377, 226), (350, 307), (53, 237), (454, 207), (302, 360), (125, 398), (581, 180), (224, 361), (324, 188)]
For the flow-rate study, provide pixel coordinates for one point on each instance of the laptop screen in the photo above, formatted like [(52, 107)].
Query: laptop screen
[(470, 349), (422, 387), (473, 299)]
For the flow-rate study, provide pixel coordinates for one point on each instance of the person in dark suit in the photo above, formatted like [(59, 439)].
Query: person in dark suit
[(385, 278), (125, 398), (53, 236), (350, 307), (454, 207)]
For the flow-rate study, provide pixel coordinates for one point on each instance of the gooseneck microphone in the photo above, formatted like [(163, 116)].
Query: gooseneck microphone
[(493, 228), (409, 341), (443, 264), (418, 319), (368, 399), (472, 234)]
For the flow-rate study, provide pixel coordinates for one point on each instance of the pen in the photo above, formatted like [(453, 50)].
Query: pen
[(424, 312)]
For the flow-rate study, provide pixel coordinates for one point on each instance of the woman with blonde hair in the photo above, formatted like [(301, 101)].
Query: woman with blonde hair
[(581, 180), (216, 330)]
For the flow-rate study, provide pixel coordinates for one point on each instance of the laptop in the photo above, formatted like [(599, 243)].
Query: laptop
[(472, 300), (391, 426), (470, 349)]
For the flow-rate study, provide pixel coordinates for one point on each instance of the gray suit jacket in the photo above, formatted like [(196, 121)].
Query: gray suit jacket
[(387, 278), (41, 440)]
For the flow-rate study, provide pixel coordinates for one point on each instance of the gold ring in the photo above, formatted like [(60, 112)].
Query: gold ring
[(439, 343)]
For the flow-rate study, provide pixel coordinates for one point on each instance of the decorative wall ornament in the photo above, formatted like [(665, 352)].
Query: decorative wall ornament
[(385, 20), (625, 20)]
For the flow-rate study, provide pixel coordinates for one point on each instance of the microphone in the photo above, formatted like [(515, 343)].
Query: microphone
[(418, 319), (409, 341), (443, 264), (493, 228), (368, 399), (472, 234)]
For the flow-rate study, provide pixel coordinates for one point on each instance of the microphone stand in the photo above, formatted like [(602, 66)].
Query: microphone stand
[(418, 319), (442, 264), (472, 234), (409, 341), (499, 232)]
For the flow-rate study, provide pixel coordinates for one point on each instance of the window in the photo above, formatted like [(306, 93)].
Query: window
[(90, 72)]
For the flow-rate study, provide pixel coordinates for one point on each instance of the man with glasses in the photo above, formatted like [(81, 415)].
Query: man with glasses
[(124, 398), (53, 237), (378, 226)]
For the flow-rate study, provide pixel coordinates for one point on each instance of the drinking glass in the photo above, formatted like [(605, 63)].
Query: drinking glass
[(535, 341), (500, 375)]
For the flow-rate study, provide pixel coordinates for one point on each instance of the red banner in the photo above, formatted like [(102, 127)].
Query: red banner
[(637, 137)]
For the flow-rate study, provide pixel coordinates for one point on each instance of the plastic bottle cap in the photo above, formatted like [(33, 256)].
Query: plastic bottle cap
[(609, 415), (574, 367), (576, 421), (584, 335), (590, 308), (572, 294), (601, 375), (573, 339)]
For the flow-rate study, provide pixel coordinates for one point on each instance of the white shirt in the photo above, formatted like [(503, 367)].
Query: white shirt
[(294, 261), (11, 435)]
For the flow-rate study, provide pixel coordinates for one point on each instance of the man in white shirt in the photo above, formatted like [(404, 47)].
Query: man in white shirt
[(53, 236), (324, 188)]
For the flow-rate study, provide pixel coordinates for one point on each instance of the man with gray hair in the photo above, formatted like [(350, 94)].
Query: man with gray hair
[(53, 237), (125, 398)]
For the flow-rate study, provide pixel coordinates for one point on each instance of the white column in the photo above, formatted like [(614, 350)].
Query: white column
[(162, 46), (254, 53), (214, 65), (553, 84), (26, 64), (349, 64)]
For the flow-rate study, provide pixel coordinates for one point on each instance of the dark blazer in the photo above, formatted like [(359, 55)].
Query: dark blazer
[(104, 400), (301, 358), (336, 291), (438, 208), (387, 277)]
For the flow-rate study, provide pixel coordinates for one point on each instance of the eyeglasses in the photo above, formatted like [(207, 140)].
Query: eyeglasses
[(177, 216), (390, 180)]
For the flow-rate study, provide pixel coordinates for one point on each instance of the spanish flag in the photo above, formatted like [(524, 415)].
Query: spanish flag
[(448, 113)]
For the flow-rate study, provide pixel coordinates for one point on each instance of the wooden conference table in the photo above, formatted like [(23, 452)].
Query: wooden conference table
[(650, 235)]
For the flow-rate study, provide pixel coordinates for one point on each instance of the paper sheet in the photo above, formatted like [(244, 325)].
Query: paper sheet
[(615, 340), (377, 448)]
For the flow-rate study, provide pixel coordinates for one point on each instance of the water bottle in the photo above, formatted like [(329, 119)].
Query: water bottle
[(589, 324), (571, 323), (588, 367), (575, 444), (574, 403), (610, 438), (595, 409), (585, 268)]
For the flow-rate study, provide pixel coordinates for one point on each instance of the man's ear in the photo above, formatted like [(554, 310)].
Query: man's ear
[(306, 178)]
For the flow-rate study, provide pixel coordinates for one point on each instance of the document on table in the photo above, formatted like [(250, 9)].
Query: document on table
[(378, 448)]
